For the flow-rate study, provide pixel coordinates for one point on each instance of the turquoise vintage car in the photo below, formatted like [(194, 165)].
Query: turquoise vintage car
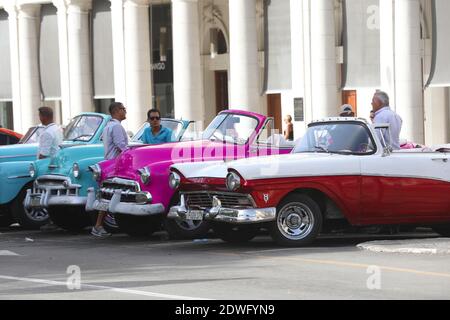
[(26, 149), (15, 178), (60, 188)]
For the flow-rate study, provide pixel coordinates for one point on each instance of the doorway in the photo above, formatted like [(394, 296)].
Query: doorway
[(274, 110), (221, 79), (350, 97)]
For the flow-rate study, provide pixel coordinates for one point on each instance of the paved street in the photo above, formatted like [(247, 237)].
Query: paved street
[(40, 265)]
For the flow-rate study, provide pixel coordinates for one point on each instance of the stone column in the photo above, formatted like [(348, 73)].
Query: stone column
[(244, 68), (79, 55), (64, 59), (15, 66), (24, 24), (387, 65), (408, 69), (139, 85), (118, 50), (186, 61), (323, 60)]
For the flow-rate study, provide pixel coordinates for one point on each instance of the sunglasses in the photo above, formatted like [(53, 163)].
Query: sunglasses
[(155, 118)]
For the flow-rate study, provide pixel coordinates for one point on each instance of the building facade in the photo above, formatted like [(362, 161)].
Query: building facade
[(193, 58)]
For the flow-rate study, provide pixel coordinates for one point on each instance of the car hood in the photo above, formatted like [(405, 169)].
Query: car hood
[(163, 155), (213, 169), (293, 165), (65, 158)]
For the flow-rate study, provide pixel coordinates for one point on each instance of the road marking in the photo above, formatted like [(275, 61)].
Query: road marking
[(8, 253), (345, 264), (90, 286)]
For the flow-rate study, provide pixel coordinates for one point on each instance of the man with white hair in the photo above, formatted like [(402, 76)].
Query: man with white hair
[(384, 114)]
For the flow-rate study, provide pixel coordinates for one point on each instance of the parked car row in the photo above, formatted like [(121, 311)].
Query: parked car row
[(236, 178), (20, 172)]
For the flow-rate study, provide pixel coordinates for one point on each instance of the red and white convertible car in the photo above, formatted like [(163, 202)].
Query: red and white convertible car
[(343, 170)]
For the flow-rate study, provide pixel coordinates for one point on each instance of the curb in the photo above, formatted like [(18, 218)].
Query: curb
[(416, 246)]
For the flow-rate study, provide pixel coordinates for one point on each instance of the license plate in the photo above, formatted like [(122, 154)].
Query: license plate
[(102, 206), (194, 215), (36, 201)]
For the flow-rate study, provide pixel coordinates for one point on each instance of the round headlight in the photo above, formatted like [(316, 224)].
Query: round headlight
[(76, 170), (32, 170), (233, 181), (174, 180), (96, 172), (145, 175)]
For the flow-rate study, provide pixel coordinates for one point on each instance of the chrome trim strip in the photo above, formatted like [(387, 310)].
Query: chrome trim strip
[(19, 177), (15, 156), (218, 193)]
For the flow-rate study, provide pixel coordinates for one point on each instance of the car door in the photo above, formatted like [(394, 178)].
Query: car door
[(405, 187)]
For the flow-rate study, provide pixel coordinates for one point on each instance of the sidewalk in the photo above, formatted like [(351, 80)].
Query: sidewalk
[(411, 246)]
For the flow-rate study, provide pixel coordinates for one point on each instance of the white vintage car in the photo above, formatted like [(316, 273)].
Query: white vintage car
[(343, 170)]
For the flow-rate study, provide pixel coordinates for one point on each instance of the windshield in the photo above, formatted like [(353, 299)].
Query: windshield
[(32, 135), (232, 128), (82, 128), (342, 138), (174, 125)]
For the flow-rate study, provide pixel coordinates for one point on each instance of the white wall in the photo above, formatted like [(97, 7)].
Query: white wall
[(437, 116)]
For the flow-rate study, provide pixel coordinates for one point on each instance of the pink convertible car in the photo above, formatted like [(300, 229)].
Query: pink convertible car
[(134, 187)]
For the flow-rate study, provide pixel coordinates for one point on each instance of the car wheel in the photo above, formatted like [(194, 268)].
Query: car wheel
[(298, 221), (28, 218), (109, 222), (138, 226), (186, 229), (69, 218), (443, 230), (235, 233)]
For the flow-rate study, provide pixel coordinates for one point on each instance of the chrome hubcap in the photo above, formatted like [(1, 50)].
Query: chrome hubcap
[(295, 221), (189, 224), (40, 214)]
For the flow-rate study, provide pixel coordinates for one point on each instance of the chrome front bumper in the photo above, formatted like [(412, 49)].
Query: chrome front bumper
[(114, 205), (44, 195), (221, 214)]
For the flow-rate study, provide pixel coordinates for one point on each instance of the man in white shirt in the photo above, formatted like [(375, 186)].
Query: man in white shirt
[(51, 137), (49, 141), (385, 115)]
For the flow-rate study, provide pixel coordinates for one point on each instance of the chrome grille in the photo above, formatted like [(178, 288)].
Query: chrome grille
[(55, 186), (229, 200), (51, 181), (128, 188)]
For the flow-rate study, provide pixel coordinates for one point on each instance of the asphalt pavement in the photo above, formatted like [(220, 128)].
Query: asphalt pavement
[(58, 265)]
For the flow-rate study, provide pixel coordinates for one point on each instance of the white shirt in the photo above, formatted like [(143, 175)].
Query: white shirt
[(49, 140), (386, 115)]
